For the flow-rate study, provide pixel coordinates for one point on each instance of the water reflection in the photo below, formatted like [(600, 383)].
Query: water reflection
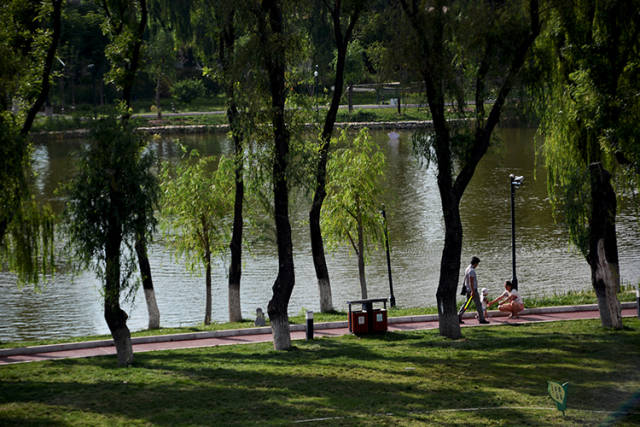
[(72, 306)]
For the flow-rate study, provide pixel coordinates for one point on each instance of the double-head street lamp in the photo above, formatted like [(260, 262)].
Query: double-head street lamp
[(516, 181)]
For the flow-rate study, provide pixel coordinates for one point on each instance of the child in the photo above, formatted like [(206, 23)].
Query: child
[(484, 299)]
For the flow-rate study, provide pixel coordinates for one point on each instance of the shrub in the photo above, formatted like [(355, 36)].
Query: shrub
[(186, 91)]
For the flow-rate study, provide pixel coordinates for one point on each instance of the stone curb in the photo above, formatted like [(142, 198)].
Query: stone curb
[(267, 330), (198, 129)]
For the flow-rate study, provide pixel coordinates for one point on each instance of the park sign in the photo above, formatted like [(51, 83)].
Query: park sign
[(558, 393)]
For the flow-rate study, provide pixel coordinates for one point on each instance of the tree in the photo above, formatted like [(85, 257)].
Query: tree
[(352, 210), (272, 52), (342, 34), (488, 41), (161, 58), (125, 25), (590, 129), (112, 191), (196, 206), (229, 61), (218, 30), (29, 38)]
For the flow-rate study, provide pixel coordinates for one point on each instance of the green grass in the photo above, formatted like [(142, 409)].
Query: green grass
[(406, 378)]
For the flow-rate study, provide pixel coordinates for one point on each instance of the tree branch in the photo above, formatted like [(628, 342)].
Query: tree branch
[(46, 71)]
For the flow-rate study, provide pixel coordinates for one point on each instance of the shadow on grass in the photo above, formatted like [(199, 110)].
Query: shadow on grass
[(358, 378)]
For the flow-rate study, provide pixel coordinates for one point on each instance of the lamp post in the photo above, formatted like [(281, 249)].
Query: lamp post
[(392, 299), (516, 181), (315, 91)]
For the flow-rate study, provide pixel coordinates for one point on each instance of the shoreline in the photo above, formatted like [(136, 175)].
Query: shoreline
[(203, 129)]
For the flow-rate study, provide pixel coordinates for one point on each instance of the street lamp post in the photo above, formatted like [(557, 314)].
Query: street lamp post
[(392, 299), (315, 76), (516, 181)]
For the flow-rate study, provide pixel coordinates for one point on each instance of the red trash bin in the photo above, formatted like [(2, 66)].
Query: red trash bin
[(358, 322), (379, 320)]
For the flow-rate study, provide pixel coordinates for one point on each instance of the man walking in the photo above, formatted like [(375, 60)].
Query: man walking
[(471, 284)]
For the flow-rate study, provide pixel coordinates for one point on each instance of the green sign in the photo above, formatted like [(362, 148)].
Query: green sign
[(558, 393)]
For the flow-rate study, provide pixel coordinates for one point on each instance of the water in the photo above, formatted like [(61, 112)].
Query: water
[(71, 306)]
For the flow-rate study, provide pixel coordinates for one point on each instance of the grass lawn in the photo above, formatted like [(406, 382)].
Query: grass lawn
[(394, 379)]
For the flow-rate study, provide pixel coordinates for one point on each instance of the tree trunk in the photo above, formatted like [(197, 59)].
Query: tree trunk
[(283, 286), (235, 269), (431, 50), (46, 69), (147, 285), (116, 318), (603, 247), (275, 66), (158, 108), (207, 307), (317, 244), (363, 280), (448, 324)]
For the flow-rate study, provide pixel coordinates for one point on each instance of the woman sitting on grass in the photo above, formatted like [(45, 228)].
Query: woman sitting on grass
[(511, 301)]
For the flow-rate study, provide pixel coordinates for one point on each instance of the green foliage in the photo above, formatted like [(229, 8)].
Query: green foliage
[(24, 39), (354, 67), (124, 25), (28, 246), (14, 161), (197, 203), (186, 91), (26, 228), (590, 106), (353, 194), (114, 191), (161, 55)]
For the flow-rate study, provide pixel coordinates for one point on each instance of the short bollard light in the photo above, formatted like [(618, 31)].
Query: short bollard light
[(638, 300), (309, 325)]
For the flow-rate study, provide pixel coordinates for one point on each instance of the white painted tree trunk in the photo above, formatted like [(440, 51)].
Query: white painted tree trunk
[(235, 313), (152, 308), (326, 300), (281, 335), (124, 349), (608, 273)]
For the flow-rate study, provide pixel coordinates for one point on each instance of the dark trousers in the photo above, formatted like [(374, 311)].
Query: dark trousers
[(476, 301)]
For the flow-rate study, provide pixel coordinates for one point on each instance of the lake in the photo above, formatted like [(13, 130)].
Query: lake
[(71, 306)]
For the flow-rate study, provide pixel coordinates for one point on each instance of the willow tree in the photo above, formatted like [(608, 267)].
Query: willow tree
[(113, 188), (196, 207), (272, 52), (481, 45), (224, 45), (591, 112), (125, 25), (218, 32), (352, 211), (29, 38), (344, 16)]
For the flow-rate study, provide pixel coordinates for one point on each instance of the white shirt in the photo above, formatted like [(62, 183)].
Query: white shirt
[(513, 293)]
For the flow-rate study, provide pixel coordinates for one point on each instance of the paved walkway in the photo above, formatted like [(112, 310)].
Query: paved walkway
[(254, 335)]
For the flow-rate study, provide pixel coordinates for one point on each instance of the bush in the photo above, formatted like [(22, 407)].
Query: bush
[(186, 91)]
